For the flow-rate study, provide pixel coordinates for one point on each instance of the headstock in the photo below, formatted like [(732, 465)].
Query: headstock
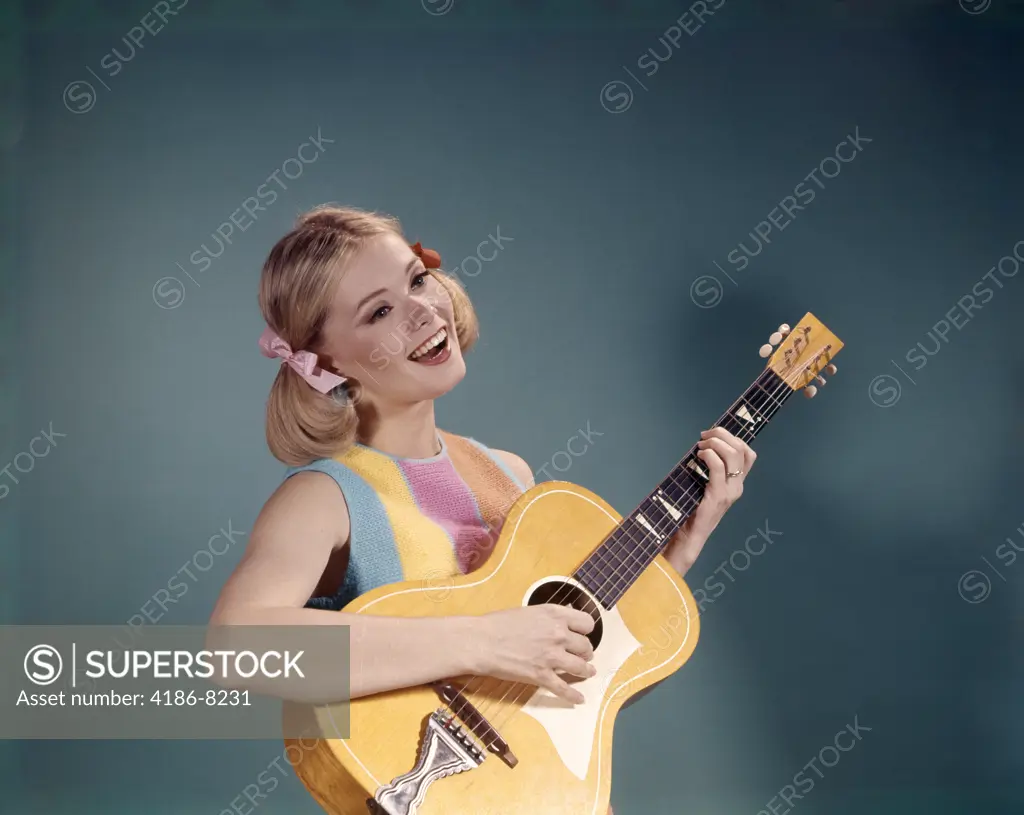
[(804, 355)]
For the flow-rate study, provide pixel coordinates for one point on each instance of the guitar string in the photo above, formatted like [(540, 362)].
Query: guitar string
[(775, 404), (643, 544), (784, 386)]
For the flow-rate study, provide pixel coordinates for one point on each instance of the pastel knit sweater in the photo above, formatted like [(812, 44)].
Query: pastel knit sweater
[(417, 519)]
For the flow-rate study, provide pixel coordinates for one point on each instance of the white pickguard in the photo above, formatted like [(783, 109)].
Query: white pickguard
[(572, 727)]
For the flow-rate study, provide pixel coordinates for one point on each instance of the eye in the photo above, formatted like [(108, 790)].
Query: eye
[(418, 281)]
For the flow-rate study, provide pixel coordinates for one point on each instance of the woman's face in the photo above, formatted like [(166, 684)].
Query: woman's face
[(385, 307)]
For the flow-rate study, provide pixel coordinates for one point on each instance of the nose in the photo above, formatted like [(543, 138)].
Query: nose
[(424, 310), (422, 313)]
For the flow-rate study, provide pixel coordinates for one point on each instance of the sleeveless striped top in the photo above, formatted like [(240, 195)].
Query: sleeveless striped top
[(417, 518)]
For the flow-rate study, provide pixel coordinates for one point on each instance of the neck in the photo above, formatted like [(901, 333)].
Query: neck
[(407, 431), (634, 544)]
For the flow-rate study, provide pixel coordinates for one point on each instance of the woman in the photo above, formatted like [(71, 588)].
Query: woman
[(370, 332)]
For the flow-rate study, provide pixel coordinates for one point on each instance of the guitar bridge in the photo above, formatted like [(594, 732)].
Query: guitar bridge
[(475, 721), (446, 750)]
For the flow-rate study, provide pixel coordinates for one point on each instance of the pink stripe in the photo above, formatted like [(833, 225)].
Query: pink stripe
[(444, 498)]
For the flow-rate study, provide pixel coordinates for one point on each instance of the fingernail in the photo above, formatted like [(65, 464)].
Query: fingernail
[(593, 669), (703, 432)]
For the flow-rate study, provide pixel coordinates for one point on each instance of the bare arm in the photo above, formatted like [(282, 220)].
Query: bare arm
[(302, 523), (291, 543)]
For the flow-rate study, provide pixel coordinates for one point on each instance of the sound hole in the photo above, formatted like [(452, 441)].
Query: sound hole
[(563, 593)]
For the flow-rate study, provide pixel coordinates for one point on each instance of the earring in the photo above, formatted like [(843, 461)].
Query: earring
[(339, 395)]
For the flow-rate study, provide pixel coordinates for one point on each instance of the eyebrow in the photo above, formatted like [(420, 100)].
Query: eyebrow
[(373, 294)]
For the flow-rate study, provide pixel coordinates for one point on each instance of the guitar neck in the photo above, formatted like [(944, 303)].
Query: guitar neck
[(634, 544)]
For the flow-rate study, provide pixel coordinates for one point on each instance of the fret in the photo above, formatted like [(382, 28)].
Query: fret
[(653, 515), (606, 594), (697, 470), (691, 482), (627, 539), (674, 507), (685, 478), (761, 398), (641, 536), (768, 393), (617, 555), (678, 485), (739, 428), (583, 573), (591, 576), (651, 528)]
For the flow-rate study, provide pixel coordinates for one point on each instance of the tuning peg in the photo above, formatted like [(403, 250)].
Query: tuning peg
[(775, 338), (831, 369), (809, 391), (821, 380)]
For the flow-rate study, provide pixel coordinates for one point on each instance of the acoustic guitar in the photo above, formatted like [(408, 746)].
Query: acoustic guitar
[(483, 746)]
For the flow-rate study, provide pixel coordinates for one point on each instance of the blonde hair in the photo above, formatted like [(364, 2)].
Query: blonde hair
[(297, 286)]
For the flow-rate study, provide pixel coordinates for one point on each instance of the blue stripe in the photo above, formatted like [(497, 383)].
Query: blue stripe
[(373, 556), (499, 461)]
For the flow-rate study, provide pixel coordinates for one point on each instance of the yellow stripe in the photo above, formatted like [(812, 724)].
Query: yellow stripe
[(424, 548)]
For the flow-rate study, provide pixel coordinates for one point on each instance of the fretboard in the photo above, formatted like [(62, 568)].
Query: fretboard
[(624, 555)]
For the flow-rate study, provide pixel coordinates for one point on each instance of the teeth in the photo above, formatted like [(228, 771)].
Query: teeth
[(438, 338)]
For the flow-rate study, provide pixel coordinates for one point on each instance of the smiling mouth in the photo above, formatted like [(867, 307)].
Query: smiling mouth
[(432, 348)]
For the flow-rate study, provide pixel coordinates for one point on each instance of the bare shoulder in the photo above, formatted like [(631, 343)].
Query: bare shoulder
[(516, 465), (308, 503), (290, 545)]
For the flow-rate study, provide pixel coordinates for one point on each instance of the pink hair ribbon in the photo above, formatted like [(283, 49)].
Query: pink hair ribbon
[(305, 363)]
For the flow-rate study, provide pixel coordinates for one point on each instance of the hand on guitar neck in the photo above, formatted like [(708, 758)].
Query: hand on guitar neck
[(729, 461)]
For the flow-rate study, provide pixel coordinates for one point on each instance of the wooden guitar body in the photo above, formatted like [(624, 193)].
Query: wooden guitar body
[(563, 751)]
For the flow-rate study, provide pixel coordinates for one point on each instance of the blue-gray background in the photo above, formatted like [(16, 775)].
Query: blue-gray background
[(489, 117)]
